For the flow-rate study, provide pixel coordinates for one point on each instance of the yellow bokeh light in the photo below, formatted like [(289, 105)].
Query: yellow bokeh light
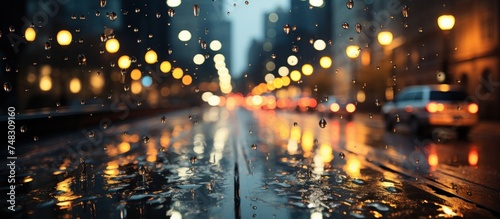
[(446, 22), (352, 51), (124, 62), (151, 57), (124, 147), (187, 80), (307, 69), (64, 37), (136, 87), (165, 66), (74, 85), (295, 75), (45, 83), (177, 73), (136, 74), (278, 83), (384, 38), (30, 34), (112, 45), (97, 83), (286, 81), (325, 62)]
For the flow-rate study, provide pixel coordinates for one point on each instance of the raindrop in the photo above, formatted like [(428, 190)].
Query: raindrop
[(23, 129), (358, 28), (82, 60), (342, 155), (73, 17), (228, 13), (350, 4), (295, 48), (273, 56), (163, 119), (97, 13), (35, 138), (102, 3), (420, 30), (377, 102), (58, 104), (90, 134), (136, 29), (322, 123), (203, 44), (254, 146), (405, 11), (295, 124), (196, 89), (7, 87), (171, 12), (469, 193), (105, 125), (246, 2), (397, 118), (196, 10), (169, 51), (141, 170), (82, 17), (112, 16), (82, 102), (47, 45), (145, 139), (192, 160), (345, 25), (370, 116), (316, 141), (158, 15), (126, 88), (137, 10), (286, 28)]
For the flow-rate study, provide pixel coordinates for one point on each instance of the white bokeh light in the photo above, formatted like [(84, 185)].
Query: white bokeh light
[(184, 35)]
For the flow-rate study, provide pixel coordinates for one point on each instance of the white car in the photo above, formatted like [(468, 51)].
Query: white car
[(427, 106)]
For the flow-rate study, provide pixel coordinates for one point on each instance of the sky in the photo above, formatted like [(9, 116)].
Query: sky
[(247, 23)]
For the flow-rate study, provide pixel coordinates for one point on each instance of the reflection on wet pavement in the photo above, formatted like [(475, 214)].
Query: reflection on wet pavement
[(220, 163)]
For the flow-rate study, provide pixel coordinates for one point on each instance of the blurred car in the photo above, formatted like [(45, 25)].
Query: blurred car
[(305, 103), (340, 107), (428, 106)]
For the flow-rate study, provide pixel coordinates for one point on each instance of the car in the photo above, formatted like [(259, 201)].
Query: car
[(426, 106), (333, 106)]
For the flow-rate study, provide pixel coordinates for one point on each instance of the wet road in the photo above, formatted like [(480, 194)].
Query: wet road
[(217, 163)]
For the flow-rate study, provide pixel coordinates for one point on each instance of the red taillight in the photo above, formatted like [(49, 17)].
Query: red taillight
[(473, 108), (334, 107), (350, 108), (431, 107)]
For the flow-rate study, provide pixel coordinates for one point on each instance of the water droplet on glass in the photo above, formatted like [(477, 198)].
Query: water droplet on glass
[(145, 139), (196, 10), (350, 4), (141, 170), (322, 123), (97, 13), (295, 48), (358, 28), (397, 118), (35, 138), (286, 28), (23, 129), (163, 119), (126, 87), (192, 160), (82, 60), (295, 124), (158, 15), (171, 12), (112, 16), (404, 11), (82, 102), (47, 45), (196, 89), (377, 102), (345, 25), (420, 30), (105, 125), (7, 87), (342, 155), (90, 134), (246, 2), (370, 116), (58, 104), (254, 146), (102, 3), (203, 44)]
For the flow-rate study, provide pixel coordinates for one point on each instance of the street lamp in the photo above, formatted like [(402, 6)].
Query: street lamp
[(385, 39), (352, 52), (445, 23)]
